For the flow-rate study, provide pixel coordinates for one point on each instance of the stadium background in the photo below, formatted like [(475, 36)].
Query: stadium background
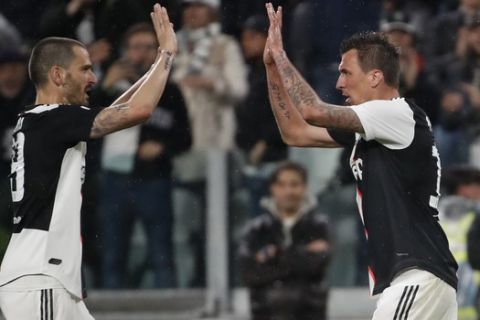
[(440, 67)]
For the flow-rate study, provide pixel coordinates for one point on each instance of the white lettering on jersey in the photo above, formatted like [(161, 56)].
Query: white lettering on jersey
[(357, 167), (17, 177)]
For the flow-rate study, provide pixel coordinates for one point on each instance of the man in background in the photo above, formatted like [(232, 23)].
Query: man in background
[(284, 252)]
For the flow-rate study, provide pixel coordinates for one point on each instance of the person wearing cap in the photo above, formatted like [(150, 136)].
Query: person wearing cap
[(257, 135), (15, 90), (211, 73), (414, 83), (444, 32)]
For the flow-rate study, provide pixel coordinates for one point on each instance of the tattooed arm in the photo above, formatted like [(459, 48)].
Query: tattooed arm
[(312, 108), (294, 129), (137, 104), (302, 96)]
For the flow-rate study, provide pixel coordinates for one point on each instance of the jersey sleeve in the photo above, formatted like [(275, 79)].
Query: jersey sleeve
[(389, 122), (342, 137), (73, 123)]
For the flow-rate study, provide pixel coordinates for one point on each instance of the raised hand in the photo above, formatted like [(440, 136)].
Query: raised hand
[(274, 43), (164, 29)]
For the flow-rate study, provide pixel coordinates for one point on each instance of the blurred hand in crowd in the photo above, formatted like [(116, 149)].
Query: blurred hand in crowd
[(318, 246), (100, 51), (198, 82), (118, 71), (74, 6), (452, 101), (150, 150), (257, 152), (473, 94), (267, 253)]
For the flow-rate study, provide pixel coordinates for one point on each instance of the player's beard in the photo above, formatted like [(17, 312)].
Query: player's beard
[(74, 92)]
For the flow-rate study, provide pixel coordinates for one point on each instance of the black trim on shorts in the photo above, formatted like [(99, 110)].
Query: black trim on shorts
[(46, 304), (406, 302)]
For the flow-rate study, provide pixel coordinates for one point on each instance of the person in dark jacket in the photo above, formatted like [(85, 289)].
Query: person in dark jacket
[(284, 253), (257, 133), (137, 170)]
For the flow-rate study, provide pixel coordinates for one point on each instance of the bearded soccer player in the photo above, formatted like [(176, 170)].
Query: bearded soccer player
[(40, 276), (394, 161)]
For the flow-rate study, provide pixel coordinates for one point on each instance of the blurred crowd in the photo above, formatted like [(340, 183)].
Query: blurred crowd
[(144, 193)]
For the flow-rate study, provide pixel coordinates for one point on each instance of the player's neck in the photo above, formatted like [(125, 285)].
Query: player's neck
[(387, 93), (50, 97)]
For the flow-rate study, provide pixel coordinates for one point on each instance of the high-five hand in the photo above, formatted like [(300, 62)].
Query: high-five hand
[(274, 43), (164, 29)]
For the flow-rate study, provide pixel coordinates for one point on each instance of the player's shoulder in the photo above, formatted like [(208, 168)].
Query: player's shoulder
[(52, 108)]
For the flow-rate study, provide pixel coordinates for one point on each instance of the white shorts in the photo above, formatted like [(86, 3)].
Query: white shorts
[(55, 303), (417, 295)]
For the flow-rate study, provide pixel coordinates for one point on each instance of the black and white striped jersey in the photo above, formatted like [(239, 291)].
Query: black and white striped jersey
[(397, 169), (48, 168)]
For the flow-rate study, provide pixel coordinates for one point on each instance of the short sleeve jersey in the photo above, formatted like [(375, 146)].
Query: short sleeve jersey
[(397, 169), (47, 172)]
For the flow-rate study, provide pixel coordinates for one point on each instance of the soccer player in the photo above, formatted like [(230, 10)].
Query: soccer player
[(40, 276), (394, 161)]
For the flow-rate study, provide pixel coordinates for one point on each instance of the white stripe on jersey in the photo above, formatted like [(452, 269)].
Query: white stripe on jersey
[(43, 108)]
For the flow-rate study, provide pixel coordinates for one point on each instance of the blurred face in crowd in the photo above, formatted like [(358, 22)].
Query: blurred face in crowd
[(12, 78), (141, 50), (472, 4), (400, 38), (253, 43), (353, 82), (79, 78), (470, 191), (196, 15), (473, 38), (289, 191)]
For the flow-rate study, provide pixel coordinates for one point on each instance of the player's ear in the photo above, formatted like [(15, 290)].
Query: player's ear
[(375, 77), (57, 76)]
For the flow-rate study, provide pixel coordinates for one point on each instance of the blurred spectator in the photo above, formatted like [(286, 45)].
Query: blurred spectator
[(211, 72), (458, 209), (25, 16), (257, 135), (285, 252), (16, 92), (414, 82), (137, 164), (98, 24), (447, 28), (9, 36), (458, 77)]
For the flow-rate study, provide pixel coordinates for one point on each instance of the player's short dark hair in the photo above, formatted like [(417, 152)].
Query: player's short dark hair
[(457, 176), (288, 166), (375, 52), (142, 27), (49, 52)]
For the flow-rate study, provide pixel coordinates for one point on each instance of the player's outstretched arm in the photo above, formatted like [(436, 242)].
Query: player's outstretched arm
[(144, 99), (306, 101), (294, 129)]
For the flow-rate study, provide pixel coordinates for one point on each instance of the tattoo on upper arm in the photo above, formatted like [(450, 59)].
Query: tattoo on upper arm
[(342, 118), (109, 120), (278, 99), (303, 96)]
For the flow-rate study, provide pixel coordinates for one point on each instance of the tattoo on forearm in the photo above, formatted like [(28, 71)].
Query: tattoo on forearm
[(303, 96), (278, 100), (299, 92), (108, 120), (168, 60)]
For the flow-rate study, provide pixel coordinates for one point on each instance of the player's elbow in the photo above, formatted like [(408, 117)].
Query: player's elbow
[(142, 113), (292, 139)]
